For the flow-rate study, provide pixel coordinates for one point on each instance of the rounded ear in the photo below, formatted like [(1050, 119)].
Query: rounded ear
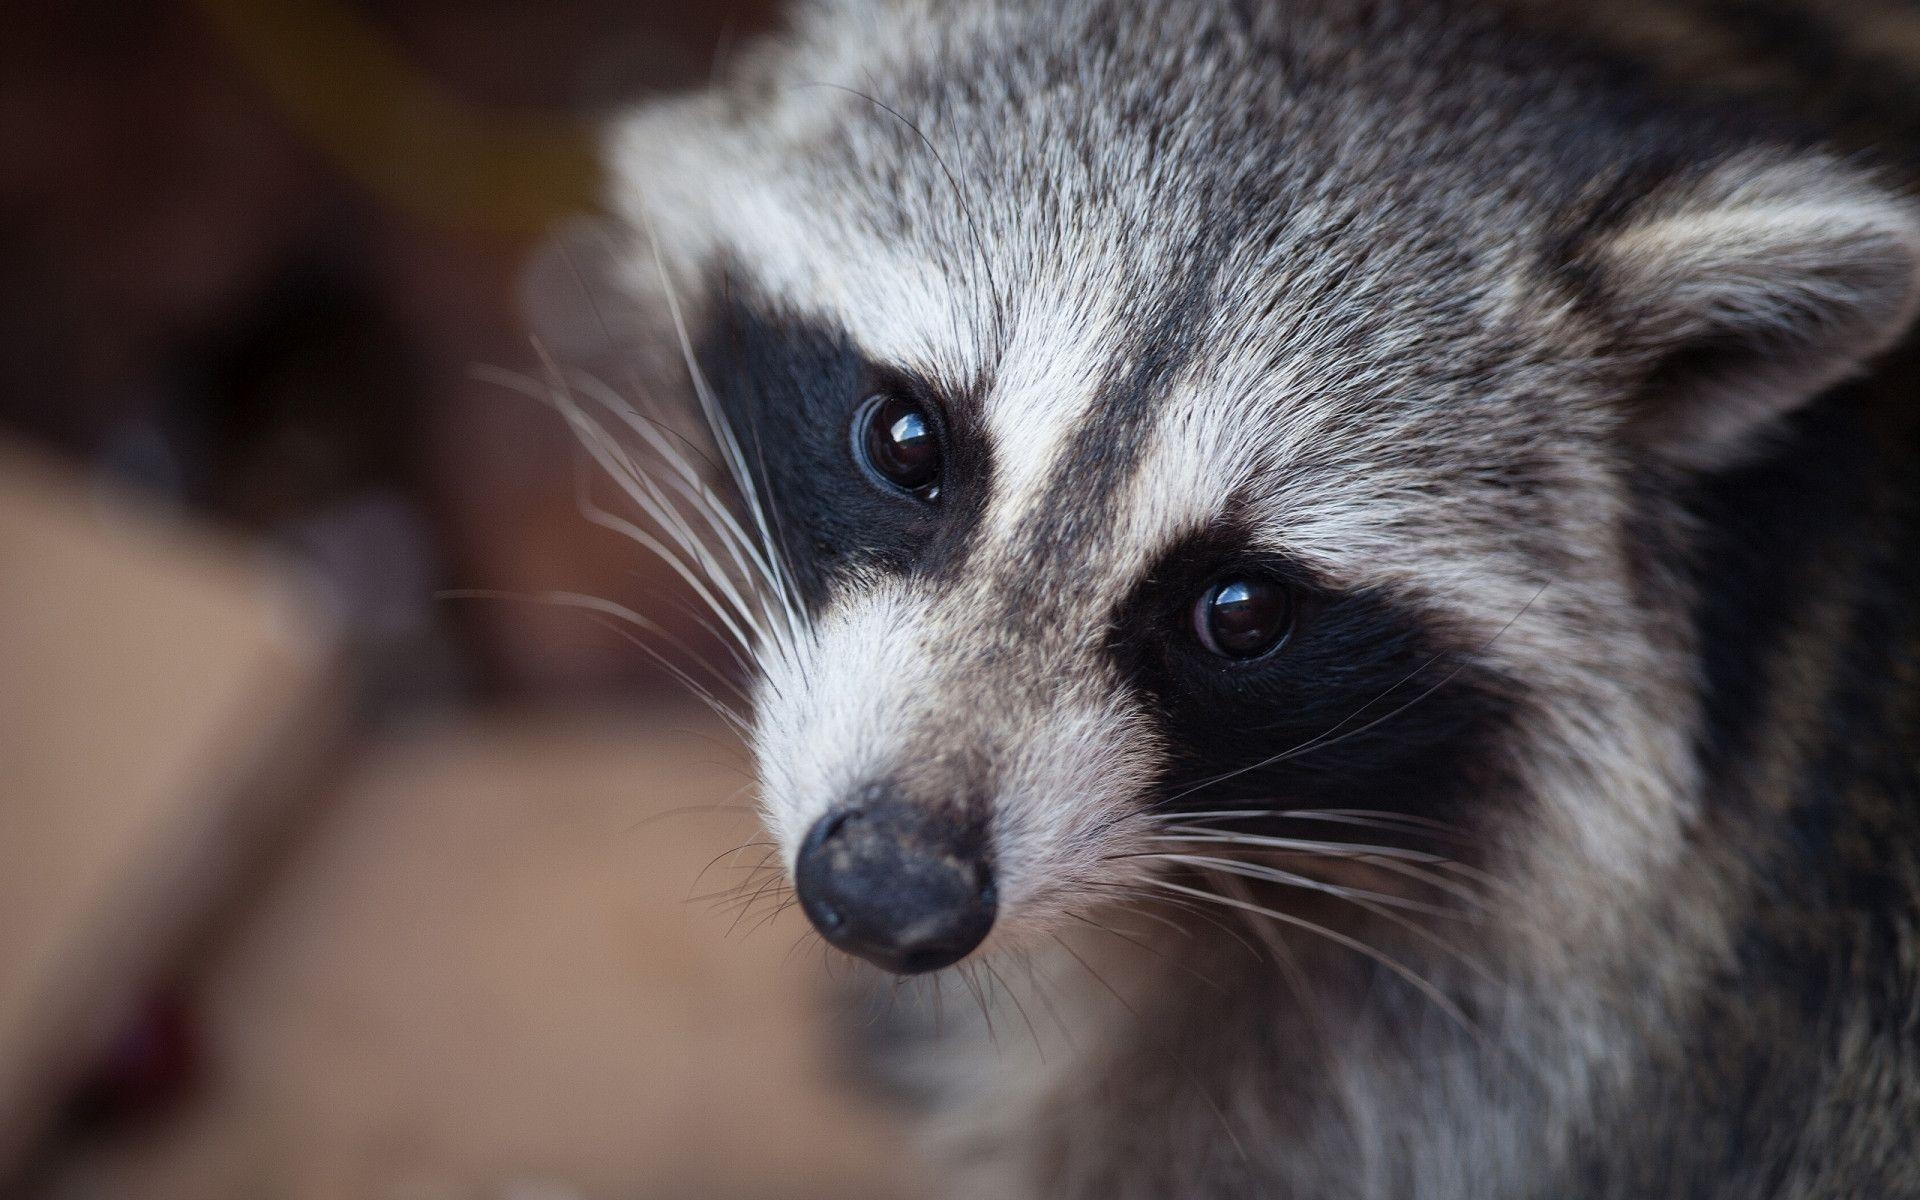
[(1747, 292)]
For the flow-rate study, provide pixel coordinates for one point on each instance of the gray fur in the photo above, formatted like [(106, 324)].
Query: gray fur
[(1448, 311)]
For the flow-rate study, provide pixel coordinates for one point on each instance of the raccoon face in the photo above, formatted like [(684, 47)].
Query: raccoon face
[(1203, 434)]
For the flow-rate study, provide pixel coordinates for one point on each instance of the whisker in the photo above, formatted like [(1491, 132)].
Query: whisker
[(771, 917), (729, 853), (643, 492), (1136, 895), (980, 998), (742, 900), (1360, 818), (1180, 1064), (722, 429), (607, 622), (1301, 845), (684, 810), (1410, 864), (1046, 1002), (799, 940), (1157, 953), (727, 898), (689, 484), (1427, 989), (1018, 1007), (1381, 816), (769, 885), (621, 612), (1305, 883), (640, 488)]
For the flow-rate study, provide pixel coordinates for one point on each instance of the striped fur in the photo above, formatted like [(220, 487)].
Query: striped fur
[(1557, 357)]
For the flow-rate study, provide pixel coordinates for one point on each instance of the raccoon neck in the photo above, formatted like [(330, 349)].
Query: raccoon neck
[(1808, 575)]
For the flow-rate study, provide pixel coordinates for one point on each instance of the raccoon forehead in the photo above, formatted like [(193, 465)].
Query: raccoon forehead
[(897, 304), (1317, 374), (1151, 408), (1027, 336)]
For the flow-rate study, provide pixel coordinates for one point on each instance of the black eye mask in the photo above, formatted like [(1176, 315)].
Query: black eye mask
[(1360, 705), (794, 390)]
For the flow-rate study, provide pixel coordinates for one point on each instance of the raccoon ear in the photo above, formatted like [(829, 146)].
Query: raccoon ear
[(1750, 291)]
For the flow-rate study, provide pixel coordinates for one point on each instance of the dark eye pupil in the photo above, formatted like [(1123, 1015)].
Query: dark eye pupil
[(1243, 617), (902, 445)]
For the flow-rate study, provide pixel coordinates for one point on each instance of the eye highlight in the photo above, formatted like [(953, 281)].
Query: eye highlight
[(1243, 617), (898, 440)]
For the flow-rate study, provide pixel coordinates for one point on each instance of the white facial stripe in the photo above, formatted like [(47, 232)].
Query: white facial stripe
[(1222, 435), (896, 306), (1066, 797), (829, 712), (1043, 391), (900, 310)]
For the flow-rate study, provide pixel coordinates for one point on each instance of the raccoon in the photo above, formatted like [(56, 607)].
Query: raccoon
[(1344, 571)]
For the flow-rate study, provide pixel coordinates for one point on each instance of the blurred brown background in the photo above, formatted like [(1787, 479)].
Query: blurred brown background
[(317, 883), (251, 249)]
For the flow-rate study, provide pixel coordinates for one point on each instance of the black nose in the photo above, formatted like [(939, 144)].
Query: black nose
[(903, 888)]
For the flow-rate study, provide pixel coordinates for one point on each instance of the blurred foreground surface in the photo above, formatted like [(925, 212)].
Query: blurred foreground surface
[(473, 963), (481, 973)]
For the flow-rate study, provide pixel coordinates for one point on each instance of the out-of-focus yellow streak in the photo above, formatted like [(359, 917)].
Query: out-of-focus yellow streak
[(346, 86)]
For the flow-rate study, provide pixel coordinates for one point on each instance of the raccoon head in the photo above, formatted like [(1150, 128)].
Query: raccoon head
[(1188, 432)]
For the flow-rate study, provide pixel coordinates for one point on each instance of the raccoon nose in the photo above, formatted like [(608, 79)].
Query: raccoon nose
[(905, 889)]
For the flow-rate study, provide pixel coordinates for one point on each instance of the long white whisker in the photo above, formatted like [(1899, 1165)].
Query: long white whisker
[(638, 486), (646, 494), (641, 488), (728, 614), (686, 480), (1360, 818), (608, 608), (1409, 863), (1303, 845), (1269, 874), (722, 430)]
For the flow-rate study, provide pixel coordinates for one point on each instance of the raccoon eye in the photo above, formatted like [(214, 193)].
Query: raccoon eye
[(1243, 617), (899, 440)]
